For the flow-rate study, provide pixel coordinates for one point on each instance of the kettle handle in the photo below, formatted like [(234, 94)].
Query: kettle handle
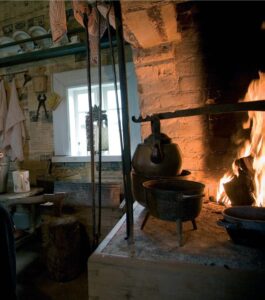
[(157, 154)]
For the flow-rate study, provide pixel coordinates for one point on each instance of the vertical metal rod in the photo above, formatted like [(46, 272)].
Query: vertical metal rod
[(125, 120), (91, 132), (115, 80), (100, 129), (116, 92)]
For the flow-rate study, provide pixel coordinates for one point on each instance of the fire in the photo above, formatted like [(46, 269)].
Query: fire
[(221, 195), (254, 147)]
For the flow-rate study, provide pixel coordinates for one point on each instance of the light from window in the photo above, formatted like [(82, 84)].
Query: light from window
[(78, 110)]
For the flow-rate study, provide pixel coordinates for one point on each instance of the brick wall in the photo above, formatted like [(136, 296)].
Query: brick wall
[(170, 77)]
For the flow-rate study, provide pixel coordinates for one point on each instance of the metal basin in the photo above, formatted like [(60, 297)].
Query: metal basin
[(245, 225)]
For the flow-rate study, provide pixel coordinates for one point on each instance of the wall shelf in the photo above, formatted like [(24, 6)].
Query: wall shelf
[(42, 54), (52, 52)]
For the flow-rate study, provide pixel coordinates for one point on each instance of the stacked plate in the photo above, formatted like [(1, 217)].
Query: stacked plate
[(22, 35), (28, 45), (10, 50), (36, 31)]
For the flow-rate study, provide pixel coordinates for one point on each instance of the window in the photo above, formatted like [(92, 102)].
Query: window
[(69, 118), (78, 112)]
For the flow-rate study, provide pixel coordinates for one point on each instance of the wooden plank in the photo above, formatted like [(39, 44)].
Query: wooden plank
[(11, 198), (114, 278)]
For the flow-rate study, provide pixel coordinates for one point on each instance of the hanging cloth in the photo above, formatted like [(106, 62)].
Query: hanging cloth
[(3, 111), (82, 7), (59, 25), (107, 11), (14, 136), (57, 20)]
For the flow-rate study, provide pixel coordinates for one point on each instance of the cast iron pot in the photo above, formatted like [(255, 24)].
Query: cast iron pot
[(139, 179), (245, 225), (174, 199)]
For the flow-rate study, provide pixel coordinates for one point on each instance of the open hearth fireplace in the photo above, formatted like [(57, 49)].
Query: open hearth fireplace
[(194, 62), (189, 239), (162, 186), (169, 177)]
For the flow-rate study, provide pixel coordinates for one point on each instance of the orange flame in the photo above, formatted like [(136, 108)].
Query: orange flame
[(221, 195), (254, 147)]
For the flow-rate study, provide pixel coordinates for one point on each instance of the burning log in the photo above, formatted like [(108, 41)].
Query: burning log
[(240, 189), (245, 164)]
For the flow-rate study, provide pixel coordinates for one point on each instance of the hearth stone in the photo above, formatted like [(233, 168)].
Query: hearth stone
[(207, 266)]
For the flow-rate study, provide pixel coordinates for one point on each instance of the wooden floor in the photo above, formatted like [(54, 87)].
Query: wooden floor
[(33, 281)]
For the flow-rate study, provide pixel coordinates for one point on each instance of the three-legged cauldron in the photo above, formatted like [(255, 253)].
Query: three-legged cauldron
[(174, 200)]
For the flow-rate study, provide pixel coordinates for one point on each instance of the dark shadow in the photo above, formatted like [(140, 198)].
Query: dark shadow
[(232, 44)]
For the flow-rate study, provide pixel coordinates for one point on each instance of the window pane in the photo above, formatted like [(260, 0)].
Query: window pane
[(78, 108), (82, 102), (111, 96), (81, 134)]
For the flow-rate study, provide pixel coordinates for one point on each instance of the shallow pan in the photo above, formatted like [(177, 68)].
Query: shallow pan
[(245, 225)]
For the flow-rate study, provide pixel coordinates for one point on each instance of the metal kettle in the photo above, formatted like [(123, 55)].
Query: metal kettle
[(157, 156)]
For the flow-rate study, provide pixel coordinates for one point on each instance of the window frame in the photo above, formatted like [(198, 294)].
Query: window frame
[(61, 82)]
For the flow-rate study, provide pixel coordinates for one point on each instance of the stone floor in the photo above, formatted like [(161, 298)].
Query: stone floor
[(152, 266), (33, 281), (208, 245)]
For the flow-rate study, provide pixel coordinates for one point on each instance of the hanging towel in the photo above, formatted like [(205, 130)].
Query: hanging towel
[(104, 8), (14, 136), (3, 111), (57, 20), (80, 7)]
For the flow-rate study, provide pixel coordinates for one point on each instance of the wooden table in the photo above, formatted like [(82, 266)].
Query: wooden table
[(29, 200), (11, 198)]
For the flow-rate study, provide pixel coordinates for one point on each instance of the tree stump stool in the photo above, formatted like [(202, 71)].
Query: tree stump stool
[(62, 247)]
